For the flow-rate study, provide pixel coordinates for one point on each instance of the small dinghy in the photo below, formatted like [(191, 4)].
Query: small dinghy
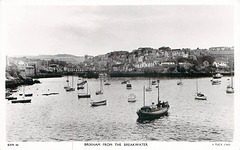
[(99, 103), (132, 98)]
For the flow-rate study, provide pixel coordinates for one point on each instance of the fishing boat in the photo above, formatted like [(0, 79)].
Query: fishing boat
[(216, 82), (129, 85), (230, 88), (199, 95), (99, 103), (132, 98), (217, 76), (101, 88), (70, 89), (84, 95), (152, 111), (180, 82)]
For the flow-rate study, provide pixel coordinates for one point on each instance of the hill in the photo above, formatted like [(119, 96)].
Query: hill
[(63, 57)]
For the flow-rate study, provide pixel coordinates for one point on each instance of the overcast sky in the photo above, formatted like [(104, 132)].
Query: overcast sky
[(94, 30)]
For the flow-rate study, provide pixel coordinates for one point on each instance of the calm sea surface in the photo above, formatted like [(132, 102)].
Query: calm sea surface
[(64, 117)]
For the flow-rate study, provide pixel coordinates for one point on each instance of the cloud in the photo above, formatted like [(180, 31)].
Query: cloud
[(99, 29)]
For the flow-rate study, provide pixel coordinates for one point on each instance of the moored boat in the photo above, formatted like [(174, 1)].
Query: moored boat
[(152, 111), (216, 82), (132, 98), (199, 95), (11, 98), (101, 88), (129, 86), (99, 103), (149, 88), (217, 76), (84, 95), (21, 100), (154, 82), (180, 82)]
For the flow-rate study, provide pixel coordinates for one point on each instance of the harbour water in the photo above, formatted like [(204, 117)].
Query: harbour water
[(65, 117)]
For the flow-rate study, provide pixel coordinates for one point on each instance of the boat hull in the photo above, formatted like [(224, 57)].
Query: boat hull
[(100, 103), (131, 100), (229, 90), (22, 101), (200, 98), (84, 96), (152, 115)]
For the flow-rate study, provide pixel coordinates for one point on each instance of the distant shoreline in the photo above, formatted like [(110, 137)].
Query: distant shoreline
[(18, 82)]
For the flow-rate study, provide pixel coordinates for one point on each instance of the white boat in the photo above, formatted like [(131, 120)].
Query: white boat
[(101, 88), (199, 95), (69, 89), (84, 95), (216, 82), (132, 98), (180, 82), (217, 76), (107, 81), (149, 88), (99, 103)]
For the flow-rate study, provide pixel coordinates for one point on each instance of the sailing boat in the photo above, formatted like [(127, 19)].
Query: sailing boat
[(107, 82), (180, 82), (65, 87), (101, 88), (129, 85), (132, 98), (84, 95), (153, 111), (22, 99), (149, 88), (69, 89), (230, 88), (199, 95)]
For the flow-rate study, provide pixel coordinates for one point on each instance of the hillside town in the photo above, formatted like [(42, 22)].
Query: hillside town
[(141, 60)]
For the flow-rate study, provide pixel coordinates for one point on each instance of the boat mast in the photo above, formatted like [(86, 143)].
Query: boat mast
[(197, 86), (158, 91), (231, 78), (87, 88), (72, 81), (144, 95)]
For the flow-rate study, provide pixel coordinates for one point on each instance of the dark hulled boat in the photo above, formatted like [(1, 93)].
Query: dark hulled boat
[(84, 95), (153, 111), (21, 101)]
